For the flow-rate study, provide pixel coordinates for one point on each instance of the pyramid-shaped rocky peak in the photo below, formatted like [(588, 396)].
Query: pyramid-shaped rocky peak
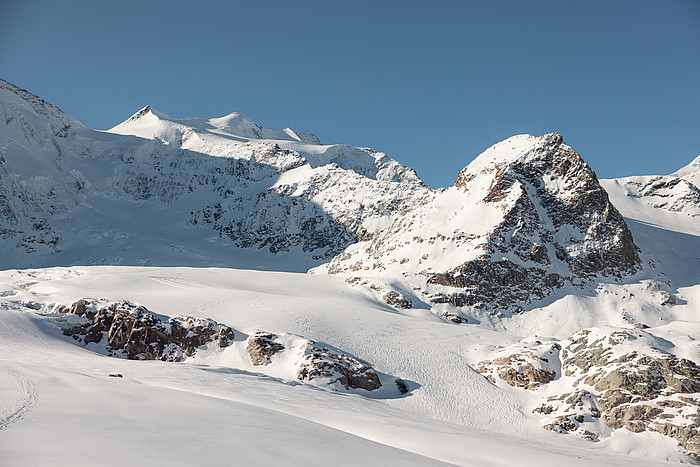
[(523, 219)]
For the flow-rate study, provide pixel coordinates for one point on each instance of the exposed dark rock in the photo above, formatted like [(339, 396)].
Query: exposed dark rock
[(262, 346), (348, 371), (453, 318), (457, 299), (319, 363), (134, 332), (562, 425), (396, 299), (401, 385), (485, 281)]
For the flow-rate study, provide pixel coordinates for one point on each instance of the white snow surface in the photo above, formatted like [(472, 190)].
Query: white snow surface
[(205, 413)]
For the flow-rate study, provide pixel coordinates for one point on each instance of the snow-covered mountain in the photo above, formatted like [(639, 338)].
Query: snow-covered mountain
[(528, 297), (525, 218), (186, 194), (691, 172)]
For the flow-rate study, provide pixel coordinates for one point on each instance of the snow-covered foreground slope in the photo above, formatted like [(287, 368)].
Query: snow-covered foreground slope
[(206, 412)]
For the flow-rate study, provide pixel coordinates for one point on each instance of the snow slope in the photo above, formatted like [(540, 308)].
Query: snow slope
[(199, 413)]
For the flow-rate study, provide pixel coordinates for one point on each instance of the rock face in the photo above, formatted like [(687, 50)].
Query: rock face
[(261, 347), (312, 361), (551, 186), (134, 332)]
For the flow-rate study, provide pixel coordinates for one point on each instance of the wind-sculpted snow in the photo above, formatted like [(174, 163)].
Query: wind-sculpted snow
[(436, 361)]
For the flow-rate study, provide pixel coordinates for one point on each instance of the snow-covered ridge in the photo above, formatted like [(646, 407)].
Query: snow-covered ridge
[(232, 135), (678, 192), (207, 179), (151, 123), (667, 192)]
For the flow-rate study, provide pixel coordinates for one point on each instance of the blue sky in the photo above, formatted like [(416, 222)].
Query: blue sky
[(433, 83)]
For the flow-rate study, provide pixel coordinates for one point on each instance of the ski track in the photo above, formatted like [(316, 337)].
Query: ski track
[(28, 398)]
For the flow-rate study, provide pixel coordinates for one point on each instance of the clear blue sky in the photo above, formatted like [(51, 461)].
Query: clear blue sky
[(433, 83)]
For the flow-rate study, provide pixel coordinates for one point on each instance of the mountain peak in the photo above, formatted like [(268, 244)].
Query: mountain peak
[(15, 100), (519, 147), (691, 172), (141, 112), (146, 111)]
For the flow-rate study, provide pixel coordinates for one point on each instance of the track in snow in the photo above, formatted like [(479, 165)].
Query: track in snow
[(28, 398)]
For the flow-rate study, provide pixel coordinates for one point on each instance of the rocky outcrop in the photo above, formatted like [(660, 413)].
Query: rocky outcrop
[(627, 378), (132, 331), (484, 280), (261, 347), (527, 365), (607, 378), (126, 330), (397, 300), (338, 368), (312, 361)]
